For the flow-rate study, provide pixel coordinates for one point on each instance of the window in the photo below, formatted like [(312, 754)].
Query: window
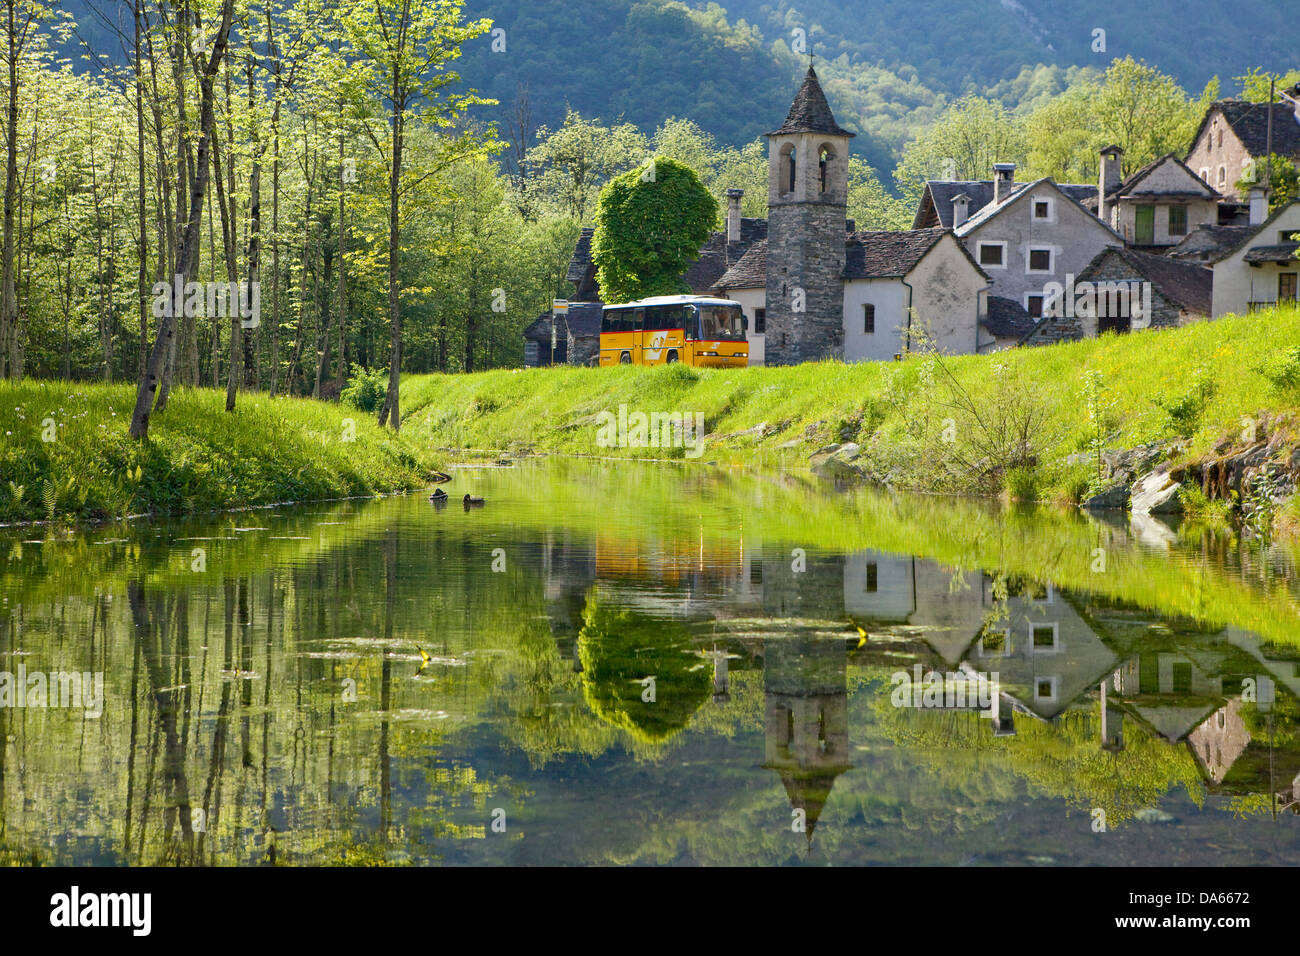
[(1223, 175), (1220, 141), (756, 573), (1045, 689), (1042, 209), (996, 643), (1044, 637), (787, 169), (1205, 175), (824, 158), (1286, 286), (993, 254), (1177, 220), (872, 577), (869, 319), (760, 321), (1040, 260), (1034, 305)]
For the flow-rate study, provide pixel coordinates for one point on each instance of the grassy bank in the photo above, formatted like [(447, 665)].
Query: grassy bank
[(65, 453), (1028, 421)]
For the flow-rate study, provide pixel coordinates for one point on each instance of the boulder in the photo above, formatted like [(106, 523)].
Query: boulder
[(1113, 498), (837, 462), (1158, 494)]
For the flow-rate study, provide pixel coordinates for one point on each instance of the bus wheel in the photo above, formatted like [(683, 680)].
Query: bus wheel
[(625, 359), (672, 356)]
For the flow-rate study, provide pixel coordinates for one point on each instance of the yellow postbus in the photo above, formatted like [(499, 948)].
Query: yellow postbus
[(691, 329)]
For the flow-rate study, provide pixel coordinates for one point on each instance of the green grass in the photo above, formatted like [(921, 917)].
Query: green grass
[(197, 458), (1196, 384)]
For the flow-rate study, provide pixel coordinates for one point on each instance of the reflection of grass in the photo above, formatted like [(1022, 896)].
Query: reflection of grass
[(719, 510), (619, 649)]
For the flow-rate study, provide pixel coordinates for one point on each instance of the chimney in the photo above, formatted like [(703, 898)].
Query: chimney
[(1258, 205), (1108, 181), (960, 209), (733, 214), (1004, 174)]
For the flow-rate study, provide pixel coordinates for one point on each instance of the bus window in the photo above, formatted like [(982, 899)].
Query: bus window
[(637, 320), (691, 321), (721, 322)]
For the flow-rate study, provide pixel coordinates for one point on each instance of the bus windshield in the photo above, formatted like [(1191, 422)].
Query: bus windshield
[(721, 322)]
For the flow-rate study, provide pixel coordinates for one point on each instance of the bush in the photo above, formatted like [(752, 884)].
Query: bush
[(1184, 412), (1022, 484), (1284, 374), (366, 391)]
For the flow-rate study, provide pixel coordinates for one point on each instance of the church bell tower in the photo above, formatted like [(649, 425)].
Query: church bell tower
[(807, 201)]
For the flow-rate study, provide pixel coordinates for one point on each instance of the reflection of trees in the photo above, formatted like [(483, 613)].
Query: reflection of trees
[(619, 648), (1064, 758)]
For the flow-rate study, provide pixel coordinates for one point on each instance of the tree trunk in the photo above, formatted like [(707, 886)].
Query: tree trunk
[(392, 411), (189, 248), (9, 345)]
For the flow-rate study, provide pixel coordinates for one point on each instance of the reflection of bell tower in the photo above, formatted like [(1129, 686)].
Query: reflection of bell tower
[(807, 200), (807, 719)]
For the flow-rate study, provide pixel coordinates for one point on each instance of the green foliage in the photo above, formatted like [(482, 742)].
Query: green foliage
[(650, 224), (1282, 176), (1183, 410), (972, 135), (1284, 372), (366, 389)]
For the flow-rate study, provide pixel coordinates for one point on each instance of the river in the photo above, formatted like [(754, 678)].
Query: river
[(652, 664)]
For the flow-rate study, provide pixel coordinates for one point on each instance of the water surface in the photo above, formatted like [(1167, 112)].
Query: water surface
[(651, 664)]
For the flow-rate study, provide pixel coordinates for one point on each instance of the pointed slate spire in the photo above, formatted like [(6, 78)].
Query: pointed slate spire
[(810, 113)]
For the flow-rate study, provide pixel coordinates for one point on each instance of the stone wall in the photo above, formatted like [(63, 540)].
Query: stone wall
[(1207, 154), (805, 259)]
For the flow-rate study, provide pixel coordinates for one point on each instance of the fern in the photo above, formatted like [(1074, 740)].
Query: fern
[(50, 497)]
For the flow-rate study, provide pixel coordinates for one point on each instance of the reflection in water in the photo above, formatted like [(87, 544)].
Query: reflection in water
[(665, 668)]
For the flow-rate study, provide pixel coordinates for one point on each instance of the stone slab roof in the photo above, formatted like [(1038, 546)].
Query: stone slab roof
[(1008, 319), (935, 208), (810, 113), (884, 255), (1281, 252), (1185, 284), (1206, 241)]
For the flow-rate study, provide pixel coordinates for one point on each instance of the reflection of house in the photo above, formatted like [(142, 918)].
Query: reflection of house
[(879, 586), (1045, 654), (1219, 740), (1168, 692), (806, 719)]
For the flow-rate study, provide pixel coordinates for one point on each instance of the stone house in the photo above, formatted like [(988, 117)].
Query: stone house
[(1158, 205), (1234, 133), (896, 288), (944, 200), (1176, 292), (1260, 269), (1030, 236)]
